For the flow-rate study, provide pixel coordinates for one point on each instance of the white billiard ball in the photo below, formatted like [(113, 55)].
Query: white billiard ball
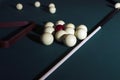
[(19, 6), (52, 10), (51, 5), (70, 25), (81, 34), (117, 5), (60, 22), (47, 38), (70, 40), (37, 4), (49, 29), (49, 24), (82, 26), (59, 35), (70, 30)]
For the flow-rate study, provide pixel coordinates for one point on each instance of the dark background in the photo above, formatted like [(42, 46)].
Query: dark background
[(98, 59)]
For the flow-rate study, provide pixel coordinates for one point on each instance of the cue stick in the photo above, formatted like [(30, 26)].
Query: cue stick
[(99, 26)]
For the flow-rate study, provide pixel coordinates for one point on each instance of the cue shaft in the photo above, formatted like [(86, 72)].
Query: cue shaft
[(107, 17), (98, 27), (69, 54)]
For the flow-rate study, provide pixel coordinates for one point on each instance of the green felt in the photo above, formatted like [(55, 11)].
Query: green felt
[(27, 59)]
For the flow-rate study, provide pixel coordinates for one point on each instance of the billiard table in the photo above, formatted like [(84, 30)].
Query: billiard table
[(29, 59)]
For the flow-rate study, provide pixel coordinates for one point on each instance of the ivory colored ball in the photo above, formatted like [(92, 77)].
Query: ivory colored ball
[(51, 5), (59, 35), (49, 24), (70, 40), (82, 27), (117, 5), (70, 25), (49, 30), (81, 34), (60, 22), (19, 6), (52, 10), (70, 30), (37, 4), (47, 39)]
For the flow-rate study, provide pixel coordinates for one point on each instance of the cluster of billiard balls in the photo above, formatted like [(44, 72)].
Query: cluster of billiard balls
[(61, 32), (37, 4)]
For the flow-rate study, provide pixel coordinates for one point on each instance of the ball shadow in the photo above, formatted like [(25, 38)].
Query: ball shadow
[(35, 35)]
